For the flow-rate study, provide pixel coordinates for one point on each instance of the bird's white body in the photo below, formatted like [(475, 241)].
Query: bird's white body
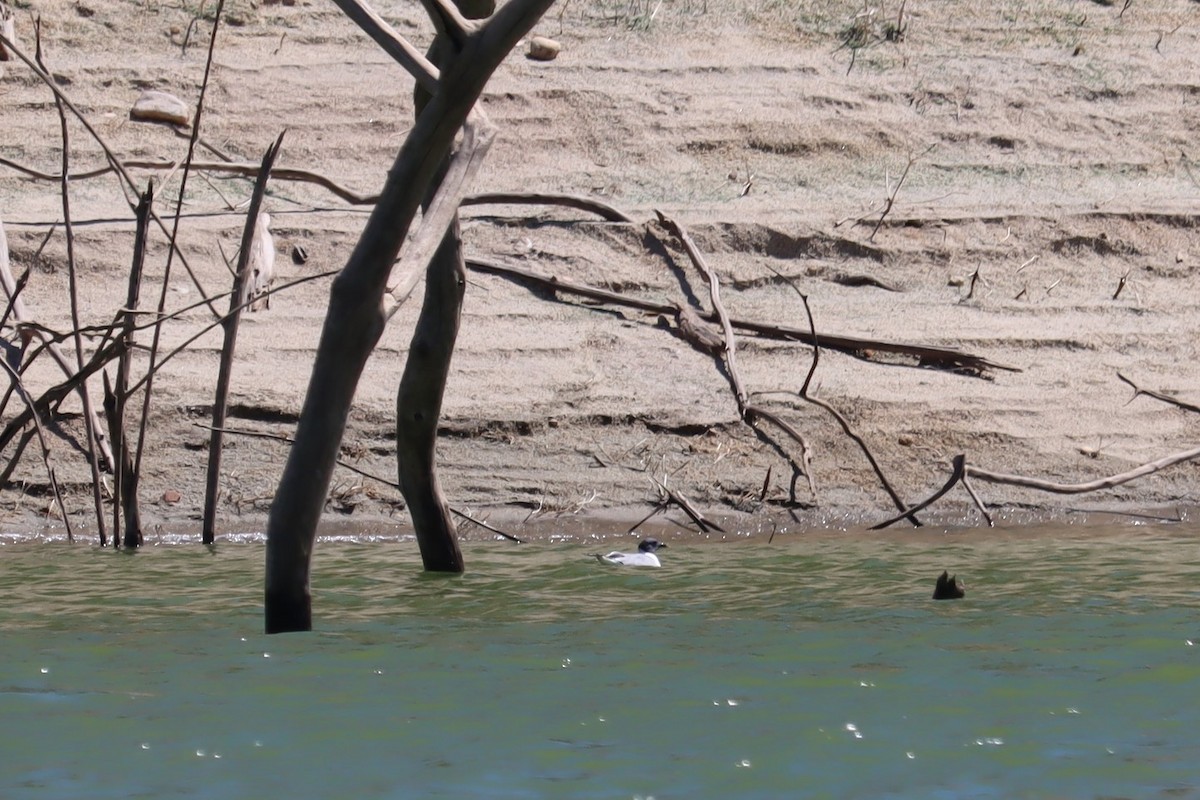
[(8, 28), (262, 263), (644, 557)]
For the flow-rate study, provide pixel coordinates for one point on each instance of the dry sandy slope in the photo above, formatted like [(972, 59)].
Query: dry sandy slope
[(1061, 161)]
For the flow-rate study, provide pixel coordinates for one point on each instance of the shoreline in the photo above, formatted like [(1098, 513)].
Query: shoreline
[(613, 525), (1043, 223)]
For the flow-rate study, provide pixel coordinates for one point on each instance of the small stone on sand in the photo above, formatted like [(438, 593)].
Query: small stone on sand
[(543, 49), (155, 106)]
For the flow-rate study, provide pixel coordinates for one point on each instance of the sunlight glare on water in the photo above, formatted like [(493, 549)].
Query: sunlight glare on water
[(811, 666)]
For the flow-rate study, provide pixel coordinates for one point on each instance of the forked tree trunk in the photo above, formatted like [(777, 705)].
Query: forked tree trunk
[(357, 310), (422, 387)]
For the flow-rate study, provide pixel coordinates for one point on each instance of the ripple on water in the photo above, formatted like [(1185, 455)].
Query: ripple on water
[(743, 670)]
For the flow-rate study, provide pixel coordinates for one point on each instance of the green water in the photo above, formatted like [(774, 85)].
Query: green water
[(814, 666)]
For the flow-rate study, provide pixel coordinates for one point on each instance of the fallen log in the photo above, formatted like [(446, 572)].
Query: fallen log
[(931, 356)]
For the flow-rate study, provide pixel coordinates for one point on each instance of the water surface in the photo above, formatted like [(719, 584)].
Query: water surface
[(813, 666)]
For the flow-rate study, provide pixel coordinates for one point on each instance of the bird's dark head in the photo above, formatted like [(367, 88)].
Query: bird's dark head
[(650, 545), (949, 587)]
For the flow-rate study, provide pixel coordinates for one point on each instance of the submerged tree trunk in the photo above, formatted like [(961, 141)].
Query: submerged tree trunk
[(419, 405), (357, 307), (422, 387)]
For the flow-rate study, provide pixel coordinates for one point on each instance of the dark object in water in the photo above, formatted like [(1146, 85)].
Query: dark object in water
[(948, 587), (299, 254)]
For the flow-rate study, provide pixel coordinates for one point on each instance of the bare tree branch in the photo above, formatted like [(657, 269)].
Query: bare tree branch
[(239, 297), (395, 45), (1160, 396), (865, 349)]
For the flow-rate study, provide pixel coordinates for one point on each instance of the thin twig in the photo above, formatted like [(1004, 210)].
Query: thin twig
[(93, 431), (279, 437), (1121, 283), (237, 298), (162, 296), (1160, 396), (41, 435), (891, 198), (842, 421)]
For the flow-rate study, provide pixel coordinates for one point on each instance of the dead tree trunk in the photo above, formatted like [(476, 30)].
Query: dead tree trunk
[(419, 397), (125, 479), (358, 309), (419, 406)]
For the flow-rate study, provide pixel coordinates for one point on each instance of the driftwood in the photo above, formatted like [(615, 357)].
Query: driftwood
[(961, 472), (1109, 482), (958, 466), (749, 413), (866, 349), (357, 313)]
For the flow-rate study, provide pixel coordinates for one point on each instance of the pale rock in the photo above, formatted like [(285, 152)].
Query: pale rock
[(543, 49), (156, 106)]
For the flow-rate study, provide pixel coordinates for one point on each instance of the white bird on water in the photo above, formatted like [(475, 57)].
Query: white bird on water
[(644, 557)]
